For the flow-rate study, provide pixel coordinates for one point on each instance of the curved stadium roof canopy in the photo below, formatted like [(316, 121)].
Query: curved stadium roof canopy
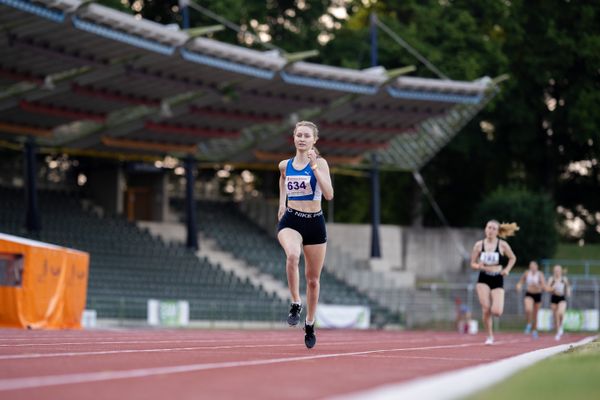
[(86, 78)]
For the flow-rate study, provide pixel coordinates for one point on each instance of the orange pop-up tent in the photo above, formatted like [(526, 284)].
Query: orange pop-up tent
[(42, 286)]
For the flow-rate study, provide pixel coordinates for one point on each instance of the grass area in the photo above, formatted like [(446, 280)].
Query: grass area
[(572, 251), (571, 375), (578, 255)]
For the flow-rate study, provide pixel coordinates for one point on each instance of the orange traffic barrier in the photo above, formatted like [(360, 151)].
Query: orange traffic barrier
[(42, 286)]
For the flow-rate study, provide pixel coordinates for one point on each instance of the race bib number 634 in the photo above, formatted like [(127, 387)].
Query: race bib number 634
[(298, 185)]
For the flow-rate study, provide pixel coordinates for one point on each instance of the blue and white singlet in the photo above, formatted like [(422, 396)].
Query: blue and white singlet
[(301, 184)]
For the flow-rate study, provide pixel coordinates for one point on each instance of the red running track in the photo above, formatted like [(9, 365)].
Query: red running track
[(249, 364)]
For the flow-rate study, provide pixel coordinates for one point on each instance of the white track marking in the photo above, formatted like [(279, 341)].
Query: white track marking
[(429, 358), (192, 337), (127, 342), (274, 338), (69, 379), (461, 383), (174, 349)]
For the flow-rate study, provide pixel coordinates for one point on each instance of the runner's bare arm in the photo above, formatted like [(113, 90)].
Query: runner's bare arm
[(282, 193), (475, 263), (324, 178), (512, 259)]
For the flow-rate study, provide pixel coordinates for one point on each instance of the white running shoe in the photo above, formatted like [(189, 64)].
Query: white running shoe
[(489, 341), (557, 337)]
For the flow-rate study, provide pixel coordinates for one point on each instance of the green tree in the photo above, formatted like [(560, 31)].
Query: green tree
[(542, 131), (288, 24), (533, 212)]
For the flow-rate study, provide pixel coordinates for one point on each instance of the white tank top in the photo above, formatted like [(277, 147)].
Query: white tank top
[(558, 287), (533, 279)]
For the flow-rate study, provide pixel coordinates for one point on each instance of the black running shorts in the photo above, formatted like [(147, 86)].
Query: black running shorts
[(311, 226), (537, 297), (557, 299), (494, 281)]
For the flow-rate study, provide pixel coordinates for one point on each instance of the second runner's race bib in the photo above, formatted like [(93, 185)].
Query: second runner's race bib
[(490, 258)]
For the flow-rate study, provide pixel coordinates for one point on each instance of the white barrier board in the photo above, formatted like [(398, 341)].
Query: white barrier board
[(168, 312), (575, 320), (344, 317)]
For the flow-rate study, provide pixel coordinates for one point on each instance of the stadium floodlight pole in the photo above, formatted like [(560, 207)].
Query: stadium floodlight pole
[(185, 13), (375, 207), (32, 217), (375, 194), (190, 204), (373, 31)]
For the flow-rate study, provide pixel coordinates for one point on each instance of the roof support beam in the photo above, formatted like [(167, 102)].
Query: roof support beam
[(277, 156), (301, 55), (204, 30), (26, 130), (61, 112), (149, 146), (52, 84), (83, 132), (189, 130), (267, 137)]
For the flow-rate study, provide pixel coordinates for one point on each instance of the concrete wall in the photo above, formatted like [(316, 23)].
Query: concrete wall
[(438, 252), (426, 252), (355, 239)]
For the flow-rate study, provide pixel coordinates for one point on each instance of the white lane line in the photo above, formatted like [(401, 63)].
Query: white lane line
[(221, 340), (123, 337), (461, 383), (129, 351), (429, 358), (46, 338), (174, 349), (192, 337), (69, 379), (119, 342)]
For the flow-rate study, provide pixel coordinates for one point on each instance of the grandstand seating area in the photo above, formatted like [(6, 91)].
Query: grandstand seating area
[(129, 266), (236, 234)]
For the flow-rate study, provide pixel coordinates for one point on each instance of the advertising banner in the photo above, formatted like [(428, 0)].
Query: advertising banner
[(574, 321), (168, 313), (346, 317)]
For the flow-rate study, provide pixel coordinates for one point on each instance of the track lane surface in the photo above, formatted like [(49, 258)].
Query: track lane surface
[(217, 364)]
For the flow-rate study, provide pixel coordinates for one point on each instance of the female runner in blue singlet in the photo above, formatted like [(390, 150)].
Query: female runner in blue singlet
[(494, 259), (304, 180)]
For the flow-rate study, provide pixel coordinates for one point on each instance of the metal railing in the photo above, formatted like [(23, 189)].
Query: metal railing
[(588, 267), (446, 298)]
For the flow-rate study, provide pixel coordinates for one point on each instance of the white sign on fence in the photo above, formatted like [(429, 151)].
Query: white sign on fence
[(347, 317), (88, 318), (574, 321), (168, 312)]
